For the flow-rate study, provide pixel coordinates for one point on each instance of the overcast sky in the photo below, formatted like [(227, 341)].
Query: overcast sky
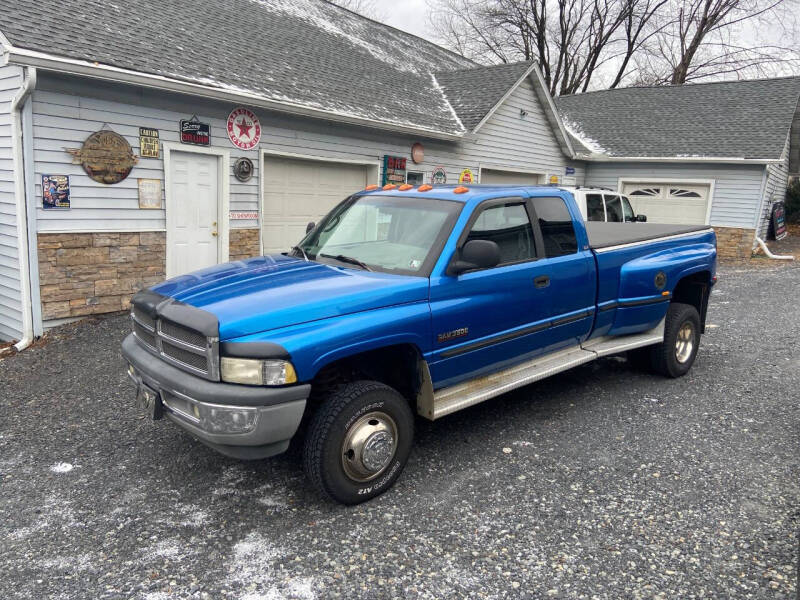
[(408, 15)]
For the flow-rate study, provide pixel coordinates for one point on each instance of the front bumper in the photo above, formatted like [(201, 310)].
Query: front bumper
[(277, 411)]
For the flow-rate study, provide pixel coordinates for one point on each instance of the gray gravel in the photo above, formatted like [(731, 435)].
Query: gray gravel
[(600, 483)]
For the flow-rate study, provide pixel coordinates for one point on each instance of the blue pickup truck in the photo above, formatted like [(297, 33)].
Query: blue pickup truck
[(405, 300)]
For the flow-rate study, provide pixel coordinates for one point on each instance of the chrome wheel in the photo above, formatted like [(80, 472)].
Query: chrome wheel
[(684, 343), (369, 446)]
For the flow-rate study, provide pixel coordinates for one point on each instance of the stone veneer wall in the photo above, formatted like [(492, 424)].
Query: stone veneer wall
[(92, 273), (244, 243), (734, 243)]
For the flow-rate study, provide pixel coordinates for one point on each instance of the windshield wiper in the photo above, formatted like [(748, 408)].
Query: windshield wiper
[(303, 252), (347, 259)]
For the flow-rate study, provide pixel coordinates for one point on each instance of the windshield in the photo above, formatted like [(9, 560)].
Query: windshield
[(383, 233)]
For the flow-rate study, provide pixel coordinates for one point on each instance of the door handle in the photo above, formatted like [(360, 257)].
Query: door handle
[(214, 233), (542, 281)]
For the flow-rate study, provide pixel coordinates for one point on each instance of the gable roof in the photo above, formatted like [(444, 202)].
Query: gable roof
[(730, 119), (306, 56), (475, 91)]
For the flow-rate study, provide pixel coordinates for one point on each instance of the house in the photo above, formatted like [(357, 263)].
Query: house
[(137, 142), (715, 153)]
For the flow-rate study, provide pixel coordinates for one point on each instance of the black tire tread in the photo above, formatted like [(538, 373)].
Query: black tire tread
[(321, 423), (662, 353)]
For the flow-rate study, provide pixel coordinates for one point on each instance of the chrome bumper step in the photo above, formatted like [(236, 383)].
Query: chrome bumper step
[(454, 398)]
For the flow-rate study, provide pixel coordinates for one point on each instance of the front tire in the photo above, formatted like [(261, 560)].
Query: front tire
[(675, 356), (358, 442)]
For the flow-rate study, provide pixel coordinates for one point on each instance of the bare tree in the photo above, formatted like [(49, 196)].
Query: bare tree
[(581, 44), (570, 39), (704, 39)]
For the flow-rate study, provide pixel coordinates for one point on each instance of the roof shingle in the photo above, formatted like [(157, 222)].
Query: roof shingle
[(307, 52), (731, 119)]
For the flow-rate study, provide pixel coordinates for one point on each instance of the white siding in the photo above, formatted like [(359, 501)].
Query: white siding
[(737, 188), (10, 285), (66, 111), (774, 191)]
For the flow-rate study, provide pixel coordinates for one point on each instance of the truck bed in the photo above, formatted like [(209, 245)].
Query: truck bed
[(605, 235)]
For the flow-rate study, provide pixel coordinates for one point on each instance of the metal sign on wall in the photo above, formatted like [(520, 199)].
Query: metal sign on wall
[(194, 132), (55, 191), (394, 169), (106, 156), (148, 142)]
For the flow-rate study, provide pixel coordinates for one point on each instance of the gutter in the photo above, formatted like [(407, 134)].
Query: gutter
[(17, 104), (682, 159), (48, 62)]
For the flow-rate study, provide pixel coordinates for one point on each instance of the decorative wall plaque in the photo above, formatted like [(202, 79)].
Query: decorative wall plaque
[(466, 176), (148, 142), (55, 191), (194, 132), (149, 193), (439, 175), (106, 156), (417, 153), (244, 128), (243, 169)]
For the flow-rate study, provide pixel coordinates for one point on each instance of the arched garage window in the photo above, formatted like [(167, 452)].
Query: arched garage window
[(681, 193), (646, 192)]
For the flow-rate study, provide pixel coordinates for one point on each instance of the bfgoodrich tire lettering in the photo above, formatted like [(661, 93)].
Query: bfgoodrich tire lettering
[(675, 356), (358, 417)]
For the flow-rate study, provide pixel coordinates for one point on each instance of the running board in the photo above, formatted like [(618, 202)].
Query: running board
[(444, 401)]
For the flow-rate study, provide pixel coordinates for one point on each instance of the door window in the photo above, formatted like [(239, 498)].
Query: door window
[(594, 208), (627, 211), (613, 209), (509, 227), (555, 223)]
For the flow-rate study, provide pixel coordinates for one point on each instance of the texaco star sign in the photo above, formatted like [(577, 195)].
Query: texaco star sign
[(244, 128)]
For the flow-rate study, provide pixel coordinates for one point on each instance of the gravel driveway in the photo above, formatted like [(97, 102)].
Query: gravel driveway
[(603, 482)]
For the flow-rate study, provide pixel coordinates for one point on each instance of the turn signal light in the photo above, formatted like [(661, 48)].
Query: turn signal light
[(404, 187), (371, 187), (389, 186), (424, 187), (460, 189)]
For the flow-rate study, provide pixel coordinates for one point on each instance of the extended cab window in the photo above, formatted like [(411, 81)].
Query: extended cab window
[(556, 225), (594, 208), (614, 209), (509, 227)]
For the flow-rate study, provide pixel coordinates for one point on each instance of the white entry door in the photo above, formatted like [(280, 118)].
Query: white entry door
[(298, 191), (683, 204), (192, 219)]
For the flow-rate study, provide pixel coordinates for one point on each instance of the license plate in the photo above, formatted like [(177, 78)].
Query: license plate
[(149, 401)]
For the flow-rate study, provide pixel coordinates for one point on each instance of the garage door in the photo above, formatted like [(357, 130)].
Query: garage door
[(669, 202), (298, 191), (510, 177)]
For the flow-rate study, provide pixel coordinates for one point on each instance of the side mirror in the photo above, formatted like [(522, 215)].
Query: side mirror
[(310, 226), (641, 218), (476, 254)]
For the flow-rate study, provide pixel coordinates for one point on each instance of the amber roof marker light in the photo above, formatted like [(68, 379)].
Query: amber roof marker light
[(389, 186), (460, 190), (404, 187), (369, 188), (424, 188)]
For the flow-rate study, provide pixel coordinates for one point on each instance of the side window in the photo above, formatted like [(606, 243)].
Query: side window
[(556, 225), (627, 211), (613, 209), (509, 227), (594, 208)]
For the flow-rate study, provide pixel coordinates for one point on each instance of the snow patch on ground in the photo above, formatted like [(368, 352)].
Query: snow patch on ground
[(73, 564), (62, 467), (171, 549)]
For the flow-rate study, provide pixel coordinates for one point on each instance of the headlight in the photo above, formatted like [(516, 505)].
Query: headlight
[(252, 371)]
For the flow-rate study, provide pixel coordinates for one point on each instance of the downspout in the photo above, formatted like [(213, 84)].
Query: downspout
[(17, 104), (770, 254)]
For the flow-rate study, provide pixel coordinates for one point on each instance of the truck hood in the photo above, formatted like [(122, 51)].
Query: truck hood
[(270, 292)]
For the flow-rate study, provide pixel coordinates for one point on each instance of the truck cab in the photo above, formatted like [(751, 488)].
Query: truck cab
[(602, 204), (410, 300)]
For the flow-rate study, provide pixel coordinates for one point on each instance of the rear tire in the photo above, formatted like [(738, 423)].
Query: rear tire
[(358, 442), (675, 355)]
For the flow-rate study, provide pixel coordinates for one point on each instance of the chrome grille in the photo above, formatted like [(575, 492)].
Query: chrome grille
[(198, 362), (179, 332), (177, 344), (148, 337)]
